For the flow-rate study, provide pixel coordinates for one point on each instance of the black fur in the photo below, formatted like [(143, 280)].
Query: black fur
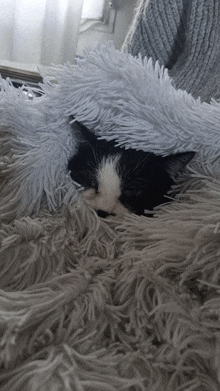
[(145, 177)]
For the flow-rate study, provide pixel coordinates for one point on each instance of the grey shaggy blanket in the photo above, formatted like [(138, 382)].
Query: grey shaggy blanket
[(88, 304)]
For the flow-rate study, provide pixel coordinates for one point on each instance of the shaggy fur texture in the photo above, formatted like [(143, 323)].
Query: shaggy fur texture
[(88, 304)]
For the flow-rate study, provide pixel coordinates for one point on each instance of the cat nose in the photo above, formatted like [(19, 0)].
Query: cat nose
[(103, 213)]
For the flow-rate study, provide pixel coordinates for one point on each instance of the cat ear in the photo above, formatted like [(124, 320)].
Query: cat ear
[(174, 164), (89, 136)]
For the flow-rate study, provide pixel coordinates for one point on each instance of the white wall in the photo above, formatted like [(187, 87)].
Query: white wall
[(124, 14)]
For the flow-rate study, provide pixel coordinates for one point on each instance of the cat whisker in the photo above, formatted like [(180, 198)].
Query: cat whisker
[(118, 180), (139, 163)]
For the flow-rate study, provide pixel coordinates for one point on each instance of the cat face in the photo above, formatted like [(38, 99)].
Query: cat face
[(118, 181)]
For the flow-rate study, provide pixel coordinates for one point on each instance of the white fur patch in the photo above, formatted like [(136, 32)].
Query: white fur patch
[(108, 179), (107, 197)]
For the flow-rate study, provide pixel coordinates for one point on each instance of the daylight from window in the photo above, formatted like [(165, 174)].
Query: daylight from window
[(93, 9), (44, 31)]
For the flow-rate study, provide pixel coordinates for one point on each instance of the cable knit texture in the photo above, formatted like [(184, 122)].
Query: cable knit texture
[(184, 37)]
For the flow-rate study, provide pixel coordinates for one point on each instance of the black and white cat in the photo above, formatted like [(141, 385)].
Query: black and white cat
[(118, 180)]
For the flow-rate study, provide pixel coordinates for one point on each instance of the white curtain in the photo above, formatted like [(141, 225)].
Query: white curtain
[(39, 31)]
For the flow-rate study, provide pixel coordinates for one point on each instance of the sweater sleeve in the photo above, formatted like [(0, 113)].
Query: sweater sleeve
[(184, 36)]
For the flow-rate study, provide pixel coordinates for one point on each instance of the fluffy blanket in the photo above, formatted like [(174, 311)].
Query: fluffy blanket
[(89, 304)]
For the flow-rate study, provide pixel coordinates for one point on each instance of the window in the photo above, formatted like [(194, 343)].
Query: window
[(47, 31), (98, 15), (93, 9)]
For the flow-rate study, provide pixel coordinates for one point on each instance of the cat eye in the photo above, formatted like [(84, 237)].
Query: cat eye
[(131, 193), (128, 193), (94, 185)]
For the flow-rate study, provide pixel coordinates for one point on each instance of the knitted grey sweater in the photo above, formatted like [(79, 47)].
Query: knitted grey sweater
[(184, 36)]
